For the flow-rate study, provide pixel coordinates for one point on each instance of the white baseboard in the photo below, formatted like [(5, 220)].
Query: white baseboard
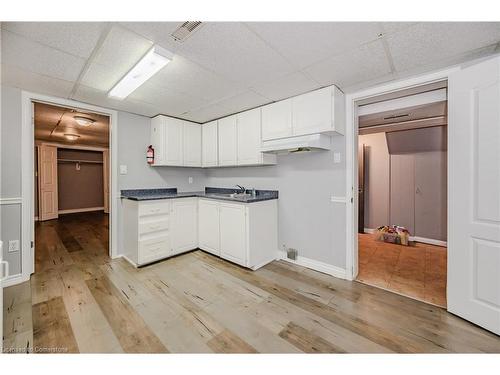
[(369, 230), (76, 210), (14, 280), (429, 241), (316, 265)]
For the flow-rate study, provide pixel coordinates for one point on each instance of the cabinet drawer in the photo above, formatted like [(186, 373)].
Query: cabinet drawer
[(154, 249), (153, 226), (154, 208)]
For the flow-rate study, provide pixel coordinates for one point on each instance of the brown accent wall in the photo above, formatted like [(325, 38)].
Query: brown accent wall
[(79, 188)]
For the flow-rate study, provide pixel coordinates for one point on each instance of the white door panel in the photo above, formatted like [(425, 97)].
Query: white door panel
[(208, 227), (4, 270), (474, 199), (233, 233), (249, 139), (184, 224)]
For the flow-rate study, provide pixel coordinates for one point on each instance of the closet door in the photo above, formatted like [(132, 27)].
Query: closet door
[(47, 182), (430, 195), (105, 180), (402, 210)]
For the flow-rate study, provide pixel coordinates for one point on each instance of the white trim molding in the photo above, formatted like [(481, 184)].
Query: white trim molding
[(429, 241), (76, 210), (7, 201), (335, 199), (28, 176), (14, 280), (351, 158), (315, 265)]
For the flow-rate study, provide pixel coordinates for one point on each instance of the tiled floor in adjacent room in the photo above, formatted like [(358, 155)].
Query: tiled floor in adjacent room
[(417, 271)]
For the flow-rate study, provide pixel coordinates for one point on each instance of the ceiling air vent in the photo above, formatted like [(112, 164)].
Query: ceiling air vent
[(185, 30)]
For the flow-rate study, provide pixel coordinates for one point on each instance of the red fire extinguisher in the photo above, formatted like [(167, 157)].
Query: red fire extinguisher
[(150, 155)]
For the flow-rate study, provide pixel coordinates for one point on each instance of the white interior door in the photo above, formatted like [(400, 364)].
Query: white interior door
[(47, 182), (474, 199)]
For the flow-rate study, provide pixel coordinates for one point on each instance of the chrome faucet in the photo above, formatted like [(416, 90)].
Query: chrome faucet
[(242, 189)]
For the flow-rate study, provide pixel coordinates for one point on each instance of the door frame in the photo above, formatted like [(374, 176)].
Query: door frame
[(351, 138), (28, 176)]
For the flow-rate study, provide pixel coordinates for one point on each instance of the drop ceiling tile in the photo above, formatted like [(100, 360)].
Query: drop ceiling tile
[(394, 27), (92, 96), (36, 58), (365, 63), (240, 102), (169, 101), (102, 77), (183, 75), (287, 86), (122, 49), (425, 43), (76, 38), (233, 51), (157, 32), (304, 43), (15, 77)]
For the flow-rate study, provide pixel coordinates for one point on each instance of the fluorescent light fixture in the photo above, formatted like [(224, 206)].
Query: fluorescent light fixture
[(155, 59), (83, 121), (71, 137)]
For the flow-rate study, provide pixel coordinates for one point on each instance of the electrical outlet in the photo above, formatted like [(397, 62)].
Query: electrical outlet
[(13, 246), (190, 180), (123, 169)]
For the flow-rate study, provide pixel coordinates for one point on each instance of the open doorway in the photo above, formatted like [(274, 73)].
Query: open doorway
[(402, 192), (71, 185)]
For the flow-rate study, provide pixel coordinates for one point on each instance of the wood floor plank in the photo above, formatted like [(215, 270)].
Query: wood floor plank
[(52, 332), (197, 303), (134, 335), (307, 341), (227, 342)]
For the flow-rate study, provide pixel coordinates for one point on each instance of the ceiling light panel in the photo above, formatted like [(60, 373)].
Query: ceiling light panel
[(155, 59)]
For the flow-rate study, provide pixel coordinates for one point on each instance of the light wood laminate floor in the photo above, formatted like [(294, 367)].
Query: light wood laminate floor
[(417, 271), (81, 301)]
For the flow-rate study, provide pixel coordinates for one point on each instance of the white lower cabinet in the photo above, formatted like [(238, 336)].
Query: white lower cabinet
[(184, 224), (243, 233), (233, 232), (208, 226)]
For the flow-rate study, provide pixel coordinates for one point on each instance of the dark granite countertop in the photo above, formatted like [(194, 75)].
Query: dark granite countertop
[(210, 193)]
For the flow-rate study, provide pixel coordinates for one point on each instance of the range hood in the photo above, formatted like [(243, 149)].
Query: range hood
[(304, 143)]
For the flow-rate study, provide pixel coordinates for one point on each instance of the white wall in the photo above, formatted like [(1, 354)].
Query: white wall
[(308, 220), (10, 174)]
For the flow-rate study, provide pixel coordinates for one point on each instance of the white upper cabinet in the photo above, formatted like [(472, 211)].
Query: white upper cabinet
[(173, 142), (249, 139), (277, 120), (176, 142), (158, 139), (318, 111), (228, 145), (209, 145), (192, 144)]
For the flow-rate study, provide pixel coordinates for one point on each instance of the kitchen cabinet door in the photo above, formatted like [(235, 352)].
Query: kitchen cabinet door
[(158, 139), (249, 137), (208, 226), (312, 112), (228, 142), (233, 233), (277, 120), (173, 142), (209, 144), (184, 224), (192, 144)]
